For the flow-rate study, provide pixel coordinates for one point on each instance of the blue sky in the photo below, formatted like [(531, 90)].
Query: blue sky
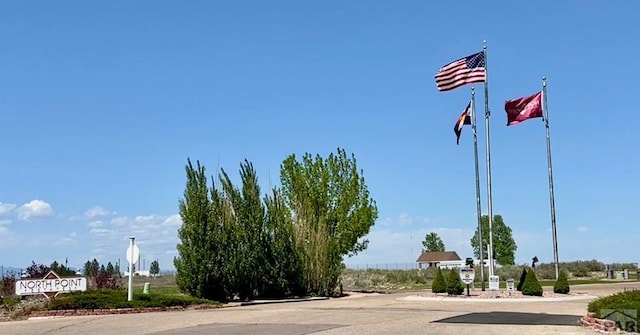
[(103, 102)]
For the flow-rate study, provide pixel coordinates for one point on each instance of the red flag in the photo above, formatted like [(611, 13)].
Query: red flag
[(464, 118), (522, 109)]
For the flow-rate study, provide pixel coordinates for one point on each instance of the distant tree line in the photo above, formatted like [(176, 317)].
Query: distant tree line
[(237, 243), (101, 276)]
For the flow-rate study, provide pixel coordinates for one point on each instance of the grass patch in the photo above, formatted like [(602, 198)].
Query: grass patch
[(107, 299), (579, 282), (158, 285)]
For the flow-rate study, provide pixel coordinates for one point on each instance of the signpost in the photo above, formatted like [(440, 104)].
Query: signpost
[(50, 285), (494, 283), (510, 285), (468, 276), (132, 257)]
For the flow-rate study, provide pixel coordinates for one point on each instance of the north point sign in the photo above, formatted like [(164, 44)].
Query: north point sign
[(51, 285)]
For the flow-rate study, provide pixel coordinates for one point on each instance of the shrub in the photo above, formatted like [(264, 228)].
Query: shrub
[(523, 276), (622, 266), (9, 303), (118, 299), (531, 285), (507, 271), (618, 301), (546, 271), (7, 284), (562, 284), (105, 280), (580, 273), (454, 285), (439, 285)]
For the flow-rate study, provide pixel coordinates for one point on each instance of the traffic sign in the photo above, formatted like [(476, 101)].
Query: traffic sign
[(467, 275), (133, 259)]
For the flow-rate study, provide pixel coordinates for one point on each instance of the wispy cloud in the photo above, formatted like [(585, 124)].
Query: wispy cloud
[(156, 236), (34, 209), (6, 208), (583, 229), (405, 220), (97, 211), (68, 240), (95, 224)]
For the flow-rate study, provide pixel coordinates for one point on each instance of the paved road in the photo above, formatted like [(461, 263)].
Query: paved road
[(399, 313)]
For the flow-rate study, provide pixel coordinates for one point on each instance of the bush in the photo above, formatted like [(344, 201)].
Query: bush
[(523, 276), (580, 273), (562, 284), (507, 271), (546, 271), (439, 285), (8, 284), (105, 280), (623, 266), (454, 285), (531, 285), (9, 303), (100, 299), (618, 301)]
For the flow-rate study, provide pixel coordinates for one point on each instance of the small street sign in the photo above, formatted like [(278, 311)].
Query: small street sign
[(467, 275)]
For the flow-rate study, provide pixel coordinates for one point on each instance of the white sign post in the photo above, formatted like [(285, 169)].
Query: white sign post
[(132, 257)]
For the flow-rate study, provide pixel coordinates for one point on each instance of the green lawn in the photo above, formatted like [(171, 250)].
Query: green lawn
[(158, 285)]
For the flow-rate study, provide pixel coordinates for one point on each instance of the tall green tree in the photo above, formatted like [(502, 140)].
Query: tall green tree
[(283, 264), (245, 233), (86, 269), (503, 242), (61, 269), (198, 270), (432, 242), (332, 212), (110, 269), (91, 268), (154, 268)]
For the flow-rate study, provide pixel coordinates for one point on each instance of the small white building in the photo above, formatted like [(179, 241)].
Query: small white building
[(441, 259), (142, 273)]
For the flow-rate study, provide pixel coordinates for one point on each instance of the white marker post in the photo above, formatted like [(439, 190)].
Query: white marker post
[(132, 255)]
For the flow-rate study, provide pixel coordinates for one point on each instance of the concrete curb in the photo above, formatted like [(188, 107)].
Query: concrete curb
[(497, 300), (280, 301)]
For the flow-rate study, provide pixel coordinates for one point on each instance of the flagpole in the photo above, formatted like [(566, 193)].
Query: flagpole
[(487, 141), (551, 196), (478, 207)]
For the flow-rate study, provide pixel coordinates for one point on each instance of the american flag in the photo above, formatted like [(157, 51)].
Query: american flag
[(467, 70)]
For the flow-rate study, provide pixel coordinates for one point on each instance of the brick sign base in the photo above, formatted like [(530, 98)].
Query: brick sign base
[(592, 322)]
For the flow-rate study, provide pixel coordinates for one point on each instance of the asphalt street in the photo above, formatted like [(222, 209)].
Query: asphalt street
[(398, 313)]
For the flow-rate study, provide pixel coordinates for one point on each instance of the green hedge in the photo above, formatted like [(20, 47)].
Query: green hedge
[(618, 301), (100, 299)]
